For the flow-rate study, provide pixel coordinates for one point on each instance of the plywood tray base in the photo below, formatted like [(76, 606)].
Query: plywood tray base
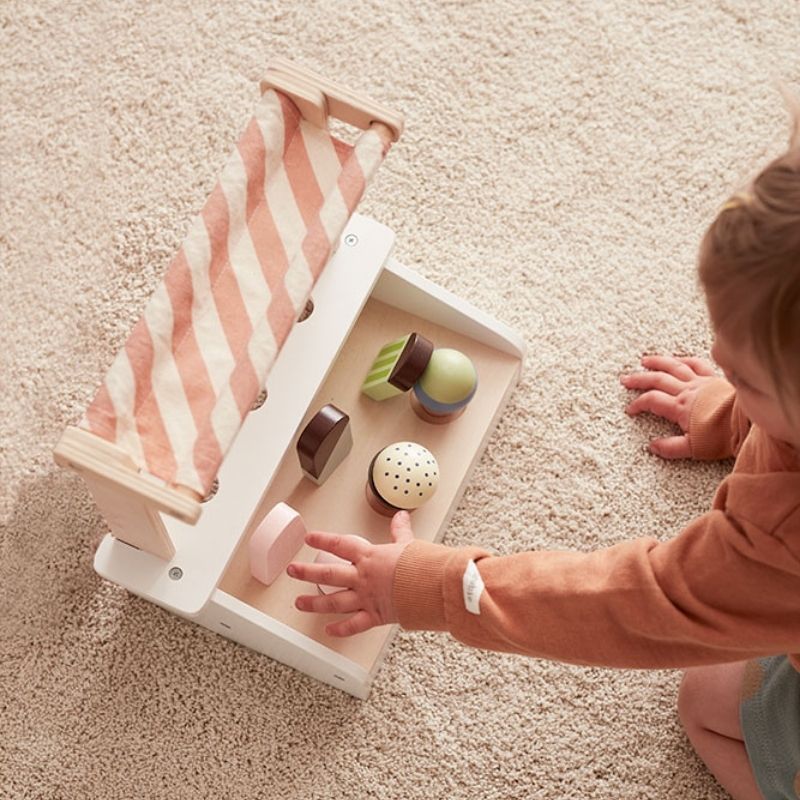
[(339, 505)]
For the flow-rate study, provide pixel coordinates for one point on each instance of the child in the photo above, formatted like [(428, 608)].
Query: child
[(723, 597)]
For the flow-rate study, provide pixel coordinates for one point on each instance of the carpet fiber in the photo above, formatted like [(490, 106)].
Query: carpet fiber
[(560, 163)]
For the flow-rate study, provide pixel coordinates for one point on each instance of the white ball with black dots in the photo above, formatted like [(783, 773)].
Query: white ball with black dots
[(404, 476)]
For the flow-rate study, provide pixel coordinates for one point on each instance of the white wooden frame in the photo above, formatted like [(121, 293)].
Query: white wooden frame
[(161, 547)]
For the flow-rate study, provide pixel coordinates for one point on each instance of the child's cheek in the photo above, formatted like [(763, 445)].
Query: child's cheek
[(768, 415)]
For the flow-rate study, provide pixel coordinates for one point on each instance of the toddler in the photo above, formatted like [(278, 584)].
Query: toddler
[(722, 598)]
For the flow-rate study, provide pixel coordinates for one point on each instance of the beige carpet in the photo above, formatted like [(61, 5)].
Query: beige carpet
[(560, 163)]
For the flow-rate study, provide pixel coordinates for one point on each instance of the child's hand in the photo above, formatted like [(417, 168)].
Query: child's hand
[(366, 583), (669, 388)]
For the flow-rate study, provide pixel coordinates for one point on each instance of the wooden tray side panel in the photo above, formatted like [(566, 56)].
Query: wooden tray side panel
[(246, 625)]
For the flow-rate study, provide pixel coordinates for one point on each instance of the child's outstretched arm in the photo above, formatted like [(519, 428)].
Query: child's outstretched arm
[(690, 393), (725, 589)]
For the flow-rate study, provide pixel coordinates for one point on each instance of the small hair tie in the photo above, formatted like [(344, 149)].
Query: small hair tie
[(737, 201)]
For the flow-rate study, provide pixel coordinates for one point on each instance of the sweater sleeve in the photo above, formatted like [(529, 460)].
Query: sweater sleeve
[(722, 590), (717, 426)]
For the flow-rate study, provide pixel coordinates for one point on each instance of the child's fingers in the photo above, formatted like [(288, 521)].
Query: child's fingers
[(337, 603), (346, 547), (401, 527), (655, 402), (325, 574), (652, 380), (672, 447), (357, 623), (699, 365), (668, 364)]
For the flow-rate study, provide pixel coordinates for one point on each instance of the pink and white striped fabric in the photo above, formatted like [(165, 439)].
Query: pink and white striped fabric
[(178, 391)]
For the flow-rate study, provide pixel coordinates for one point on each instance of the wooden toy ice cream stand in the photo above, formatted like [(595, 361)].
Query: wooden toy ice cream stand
[(218, 408)]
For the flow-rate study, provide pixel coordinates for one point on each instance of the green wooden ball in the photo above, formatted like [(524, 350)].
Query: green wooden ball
[(449, 377)]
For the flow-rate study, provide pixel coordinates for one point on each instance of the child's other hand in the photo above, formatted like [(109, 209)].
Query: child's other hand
[(669, 387), (366, 583)]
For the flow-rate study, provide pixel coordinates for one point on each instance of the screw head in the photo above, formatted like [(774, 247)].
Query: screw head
[(176, 573), (351, 240), (307, 311), (258, 402), (212, 491)]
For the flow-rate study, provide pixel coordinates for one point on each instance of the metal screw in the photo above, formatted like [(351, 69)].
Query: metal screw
[(259, 401), (176, 573), (351, 240), (307, 311), (212, 491)]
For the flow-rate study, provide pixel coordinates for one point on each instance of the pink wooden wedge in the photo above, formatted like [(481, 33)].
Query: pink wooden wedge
[(275, 543)]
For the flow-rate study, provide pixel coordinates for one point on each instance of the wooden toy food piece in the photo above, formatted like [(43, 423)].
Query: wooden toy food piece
[(275, 542), (402, 477), (446, 386), (324, 443), (397, 367), (324, 557)]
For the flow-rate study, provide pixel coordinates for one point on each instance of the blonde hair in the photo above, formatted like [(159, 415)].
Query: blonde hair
[(749, 267)]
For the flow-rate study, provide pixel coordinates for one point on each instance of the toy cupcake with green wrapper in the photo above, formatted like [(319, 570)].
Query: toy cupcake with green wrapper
[(397, 366)]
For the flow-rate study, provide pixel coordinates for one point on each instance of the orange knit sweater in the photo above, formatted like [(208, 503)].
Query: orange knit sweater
[(726, 588)]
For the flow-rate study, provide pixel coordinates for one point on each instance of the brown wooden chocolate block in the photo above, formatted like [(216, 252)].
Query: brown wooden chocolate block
[(412, 362), (324, 443)]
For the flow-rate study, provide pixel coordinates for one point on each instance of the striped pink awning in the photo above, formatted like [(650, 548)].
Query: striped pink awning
[(178, 391)]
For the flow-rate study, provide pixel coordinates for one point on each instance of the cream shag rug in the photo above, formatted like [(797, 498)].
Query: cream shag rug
[(560, 163)]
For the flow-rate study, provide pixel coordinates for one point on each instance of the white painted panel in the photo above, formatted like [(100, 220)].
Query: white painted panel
[(244, 624)]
